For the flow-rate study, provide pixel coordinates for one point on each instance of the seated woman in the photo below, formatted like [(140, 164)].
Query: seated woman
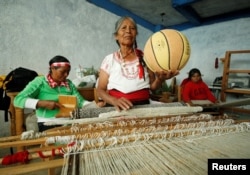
[(42, 94), (196, 89)]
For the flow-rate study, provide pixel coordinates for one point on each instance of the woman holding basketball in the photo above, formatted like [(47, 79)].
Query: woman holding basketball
[(124, 79)]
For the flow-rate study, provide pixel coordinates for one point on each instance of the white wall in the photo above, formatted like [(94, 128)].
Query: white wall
[(33, 31), (211, 41)]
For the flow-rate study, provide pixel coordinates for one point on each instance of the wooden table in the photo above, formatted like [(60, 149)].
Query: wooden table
[(87, 93)]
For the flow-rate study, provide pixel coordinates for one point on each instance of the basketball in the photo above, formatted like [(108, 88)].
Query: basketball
[(167, 49)]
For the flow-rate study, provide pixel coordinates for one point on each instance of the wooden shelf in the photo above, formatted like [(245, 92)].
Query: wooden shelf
[(238, 51), (238, 71), (227, 72), (238, 91)]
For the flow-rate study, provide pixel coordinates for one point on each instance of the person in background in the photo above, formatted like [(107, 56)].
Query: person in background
[(124, 79), (196, 89), (43, 92)]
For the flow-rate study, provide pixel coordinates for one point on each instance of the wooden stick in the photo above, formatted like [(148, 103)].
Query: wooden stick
[(233, 103)]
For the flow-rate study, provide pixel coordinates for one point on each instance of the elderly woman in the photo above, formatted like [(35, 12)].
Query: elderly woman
[(124, 79), (43, 92)]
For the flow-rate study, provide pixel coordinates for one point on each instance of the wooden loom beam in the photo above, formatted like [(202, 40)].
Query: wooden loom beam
[(36, 166)]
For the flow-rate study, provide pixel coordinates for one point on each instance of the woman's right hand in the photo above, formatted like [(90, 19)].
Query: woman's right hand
[(48, 104), (121, 103)]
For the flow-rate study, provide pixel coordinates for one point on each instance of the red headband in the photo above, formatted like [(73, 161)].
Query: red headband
[(59, 64)]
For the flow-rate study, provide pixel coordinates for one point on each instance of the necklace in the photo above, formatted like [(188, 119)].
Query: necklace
[(130, 68), (123, 57), (127, 54)]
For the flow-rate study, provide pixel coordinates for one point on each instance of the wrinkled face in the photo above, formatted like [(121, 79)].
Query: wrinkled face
[(196, 77), (59, 74), (126, 34)]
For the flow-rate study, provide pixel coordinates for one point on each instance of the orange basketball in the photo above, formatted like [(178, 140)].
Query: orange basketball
[(167, 49)]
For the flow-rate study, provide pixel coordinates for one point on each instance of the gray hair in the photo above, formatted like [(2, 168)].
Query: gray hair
[(120, 21), (118, 26)]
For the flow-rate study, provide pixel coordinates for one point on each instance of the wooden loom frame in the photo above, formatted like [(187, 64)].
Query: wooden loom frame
[(51, 164)]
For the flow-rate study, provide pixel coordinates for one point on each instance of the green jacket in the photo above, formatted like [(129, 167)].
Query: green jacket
[(40, 89)]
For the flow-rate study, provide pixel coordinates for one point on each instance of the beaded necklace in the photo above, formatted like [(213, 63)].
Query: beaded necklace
[(123, 58), (132, 72)]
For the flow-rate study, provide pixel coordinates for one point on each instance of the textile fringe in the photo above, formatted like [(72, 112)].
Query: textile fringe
[(95, 124), (105, 139), (113, 115)]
